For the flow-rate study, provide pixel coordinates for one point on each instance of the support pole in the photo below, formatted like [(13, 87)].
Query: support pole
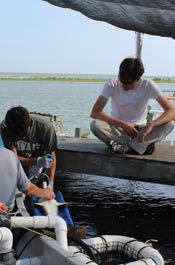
[(138, 44)]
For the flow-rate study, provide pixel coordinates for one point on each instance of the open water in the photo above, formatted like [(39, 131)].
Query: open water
[(104, 205)]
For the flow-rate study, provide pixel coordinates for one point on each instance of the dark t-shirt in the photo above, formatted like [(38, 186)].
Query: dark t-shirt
[(41, 140)]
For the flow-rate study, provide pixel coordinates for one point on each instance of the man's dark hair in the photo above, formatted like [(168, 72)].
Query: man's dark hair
[(131, 69), (18, 121)]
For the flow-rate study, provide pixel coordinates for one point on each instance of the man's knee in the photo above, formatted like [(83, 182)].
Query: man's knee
[(95, 126), (169, 126), (160, 132), (172, 124)]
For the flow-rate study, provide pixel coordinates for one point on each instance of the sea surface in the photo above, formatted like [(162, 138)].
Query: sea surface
[(102, 204)]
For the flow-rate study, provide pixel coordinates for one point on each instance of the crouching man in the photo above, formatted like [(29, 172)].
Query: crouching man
[(13, 177)]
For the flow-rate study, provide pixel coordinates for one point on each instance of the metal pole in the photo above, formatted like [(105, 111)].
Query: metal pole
[(138, 44)]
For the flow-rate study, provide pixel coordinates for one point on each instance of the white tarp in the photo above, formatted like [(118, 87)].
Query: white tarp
[(155, 17)]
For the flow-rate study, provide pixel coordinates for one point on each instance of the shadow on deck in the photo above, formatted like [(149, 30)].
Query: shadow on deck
[(88, 156)]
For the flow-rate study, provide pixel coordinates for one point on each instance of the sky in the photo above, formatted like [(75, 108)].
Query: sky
[(37, 37)]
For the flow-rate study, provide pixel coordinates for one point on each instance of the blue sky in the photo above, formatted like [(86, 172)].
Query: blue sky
[(39, 37)]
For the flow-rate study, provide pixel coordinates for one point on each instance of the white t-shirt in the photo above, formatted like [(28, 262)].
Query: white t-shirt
[(131, 105)]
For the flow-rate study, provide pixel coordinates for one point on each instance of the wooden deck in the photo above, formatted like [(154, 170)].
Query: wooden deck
[(88, 156)]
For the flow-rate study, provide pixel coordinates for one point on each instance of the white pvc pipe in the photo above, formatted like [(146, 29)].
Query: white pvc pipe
[(142, 262), (151, 255), (6, 239), (55, 222)]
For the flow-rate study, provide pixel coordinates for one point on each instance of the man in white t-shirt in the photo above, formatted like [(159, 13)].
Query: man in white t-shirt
[(123, 130)]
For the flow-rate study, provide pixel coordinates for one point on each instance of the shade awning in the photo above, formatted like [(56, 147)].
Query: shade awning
[(155, 17)]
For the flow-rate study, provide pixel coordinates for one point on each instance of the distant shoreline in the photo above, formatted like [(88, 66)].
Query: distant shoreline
[(72, 79), (53, 79)]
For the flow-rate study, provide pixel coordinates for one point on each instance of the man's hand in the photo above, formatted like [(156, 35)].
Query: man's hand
[(49, 194), (45, 161), (130, 130), (4, 208), (144, 132), (33, 190)]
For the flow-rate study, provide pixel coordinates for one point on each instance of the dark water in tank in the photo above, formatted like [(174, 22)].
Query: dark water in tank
[(121, 207)]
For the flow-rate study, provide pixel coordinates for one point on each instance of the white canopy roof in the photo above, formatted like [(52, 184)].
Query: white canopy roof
[(155, 17)]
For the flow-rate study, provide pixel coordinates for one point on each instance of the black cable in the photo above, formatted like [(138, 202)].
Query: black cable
[(141, 250), (106, 250), (99, 254), (128, 242), (86, 248)]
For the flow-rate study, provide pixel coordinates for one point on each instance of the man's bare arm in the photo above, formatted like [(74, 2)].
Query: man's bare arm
[(25, 161), (33, 190), (52, 169), (167, 115), (98, 113)]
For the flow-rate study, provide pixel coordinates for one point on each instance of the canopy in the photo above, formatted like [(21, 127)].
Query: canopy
[(155, 17)]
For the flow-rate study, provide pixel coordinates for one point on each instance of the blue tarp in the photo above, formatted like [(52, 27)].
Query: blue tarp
[(1, 142)]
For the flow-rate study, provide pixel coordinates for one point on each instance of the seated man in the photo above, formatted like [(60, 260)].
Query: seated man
[(12, 177), (129, 92), (31, 137)]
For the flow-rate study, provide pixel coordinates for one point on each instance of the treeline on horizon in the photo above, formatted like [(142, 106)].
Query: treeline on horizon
[(51, 78), (74, 79)]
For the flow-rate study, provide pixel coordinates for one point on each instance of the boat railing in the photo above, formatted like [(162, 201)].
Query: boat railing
[(56, 121), (170, 94)]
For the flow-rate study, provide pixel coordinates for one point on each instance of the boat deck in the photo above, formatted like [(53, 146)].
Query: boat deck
[(88, 156)]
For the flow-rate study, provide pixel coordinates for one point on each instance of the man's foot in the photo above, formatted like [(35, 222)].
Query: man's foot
[(116, 148), (150, 149)]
